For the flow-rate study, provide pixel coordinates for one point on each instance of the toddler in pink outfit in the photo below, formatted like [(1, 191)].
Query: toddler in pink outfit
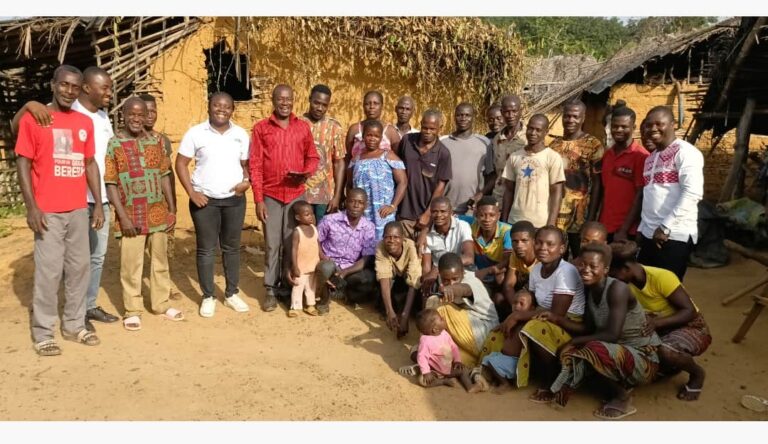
[(305, 255)]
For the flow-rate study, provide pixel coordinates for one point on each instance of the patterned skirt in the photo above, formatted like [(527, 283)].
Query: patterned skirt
[(693, 338), (629, 366)]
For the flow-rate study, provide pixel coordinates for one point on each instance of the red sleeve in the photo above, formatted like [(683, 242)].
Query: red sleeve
[(90, 147), (638, 170), (25, 141), (311, 157), (256, 164)]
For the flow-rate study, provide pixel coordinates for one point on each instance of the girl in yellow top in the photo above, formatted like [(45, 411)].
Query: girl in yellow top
[(671, 313)]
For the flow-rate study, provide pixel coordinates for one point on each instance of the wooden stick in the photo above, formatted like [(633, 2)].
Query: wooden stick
[(746, 252), (744, 291), (757, 307), (740, 152)]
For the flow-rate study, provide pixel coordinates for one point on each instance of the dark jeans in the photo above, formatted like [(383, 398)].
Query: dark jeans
[(630, 237), (218, 223), (574, 245), (357, 284), (673, 255)]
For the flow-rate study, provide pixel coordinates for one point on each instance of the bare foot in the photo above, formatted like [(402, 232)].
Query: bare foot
[(542, 396)]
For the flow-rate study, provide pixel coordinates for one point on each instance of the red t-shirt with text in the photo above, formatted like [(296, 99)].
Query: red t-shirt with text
[(58, 155), (622, 176)]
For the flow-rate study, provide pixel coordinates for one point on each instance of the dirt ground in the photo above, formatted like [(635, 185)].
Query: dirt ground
[(265, 366)]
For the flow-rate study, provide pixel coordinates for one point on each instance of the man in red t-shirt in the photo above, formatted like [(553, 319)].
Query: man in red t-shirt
[(55, 166), (282, 156), (622, 178)]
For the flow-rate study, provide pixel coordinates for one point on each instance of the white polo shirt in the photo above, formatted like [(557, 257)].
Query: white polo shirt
[(102, 132), (217, 158), (438, 245)]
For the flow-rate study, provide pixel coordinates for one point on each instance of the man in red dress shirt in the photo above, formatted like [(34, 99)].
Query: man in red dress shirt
[(283, 155)]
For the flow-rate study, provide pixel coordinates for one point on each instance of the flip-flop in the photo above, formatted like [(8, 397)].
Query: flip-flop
[(409, 370), (599, 412), (171, 314), (755, 403), (686, 390), (132, 323)]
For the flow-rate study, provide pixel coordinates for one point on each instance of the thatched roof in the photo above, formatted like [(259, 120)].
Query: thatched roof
[(739, 76), (604, 74)]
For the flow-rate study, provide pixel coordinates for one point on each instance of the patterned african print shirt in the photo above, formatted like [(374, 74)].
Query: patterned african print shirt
[(135, 166), (327, 134), (581, 159)]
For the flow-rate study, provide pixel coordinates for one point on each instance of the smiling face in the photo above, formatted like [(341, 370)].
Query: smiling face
[(660, 128), (318, 105), (441, 214), (465, 118), (494, 119), (98, 88), (592, 268), (66, 88), (220, 110), (549, 246), (282, 102), (645, 137), (622, 128), (393, 241), (372, 106), (372, 137), (573, 119), (135, 117)]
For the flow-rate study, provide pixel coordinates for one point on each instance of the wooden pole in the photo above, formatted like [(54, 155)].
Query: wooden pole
[(740, 151)]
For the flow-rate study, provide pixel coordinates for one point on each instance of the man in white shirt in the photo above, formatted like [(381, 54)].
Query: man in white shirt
[(95, 94), (448, 234), (674, 184)]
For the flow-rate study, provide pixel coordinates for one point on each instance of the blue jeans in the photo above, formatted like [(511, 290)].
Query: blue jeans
[(98, 241)]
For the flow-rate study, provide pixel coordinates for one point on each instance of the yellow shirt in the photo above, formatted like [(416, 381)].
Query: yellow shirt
[(659, 285), (518, 266), (407, 265)]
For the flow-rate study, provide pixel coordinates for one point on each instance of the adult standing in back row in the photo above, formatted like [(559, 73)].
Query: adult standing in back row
[(674, 185), (506, 142), (581, 154), (216, 197), (428, 167), (283, 155)]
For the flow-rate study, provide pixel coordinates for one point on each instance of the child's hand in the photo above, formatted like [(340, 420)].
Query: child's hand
[(429, 378), (458, 369)]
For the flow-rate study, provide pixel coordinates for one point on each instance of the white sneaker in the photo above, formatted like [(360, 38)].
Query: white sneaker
[(235, 303), (208, 307)]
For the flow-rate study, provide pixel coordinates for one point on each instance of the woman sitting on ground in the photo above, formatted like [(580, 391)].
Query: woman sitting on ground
[(619, 350), (671, 313), (529, 341)]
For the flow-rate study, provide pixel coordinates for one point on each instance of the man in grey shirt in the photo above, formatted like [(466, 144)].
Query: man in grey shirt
[(472, 160)]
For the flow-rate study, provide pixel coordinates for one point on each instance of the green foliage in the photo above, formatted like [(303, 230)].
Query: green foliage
[(12, 210), (599, 37)]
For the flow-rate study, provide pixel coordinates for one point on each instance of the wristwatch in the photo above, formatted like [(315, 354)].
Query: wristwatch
[(664, 230), (247, 179)]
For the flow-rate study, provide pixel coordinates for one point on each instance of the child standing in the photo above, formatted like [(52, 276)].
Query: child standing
[(305, 255)]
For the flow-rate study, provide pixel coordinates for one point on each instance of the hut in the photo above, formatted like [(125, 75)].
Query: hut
[(438, 61), (673, 71)]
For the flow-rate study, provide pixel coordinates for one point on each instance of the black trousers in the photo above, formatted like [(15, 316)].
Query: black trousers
[(672, 256)]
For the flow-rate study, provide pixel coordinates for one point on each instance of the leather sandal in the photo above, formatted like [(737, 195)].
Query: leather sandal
[(84, 337)]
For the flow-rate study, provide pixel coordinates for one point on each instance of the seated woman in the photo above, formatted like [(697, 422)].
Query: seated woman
[(381, 174), (557, 289), (671, 313), (618, 350)]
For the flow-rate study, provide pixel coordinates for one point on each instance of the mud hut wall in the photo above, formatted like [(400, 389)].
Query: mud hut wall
[(641, 98), (182, 77)]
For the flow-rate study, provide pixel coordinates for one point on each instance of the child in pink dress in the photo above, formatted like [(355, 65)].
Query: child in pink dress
[(305, 255), (438, 358)]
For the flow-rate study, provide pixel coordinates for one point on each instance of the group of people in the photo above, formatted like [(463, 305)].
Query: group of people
[(469, 233)]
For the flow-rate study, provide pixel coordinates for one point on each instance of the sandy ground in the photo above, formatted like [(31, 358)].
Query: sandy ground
[(259, 366)]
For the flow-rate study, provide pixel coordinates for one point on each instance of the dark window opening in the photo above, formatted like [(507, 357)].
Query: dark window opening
[(222, 72)]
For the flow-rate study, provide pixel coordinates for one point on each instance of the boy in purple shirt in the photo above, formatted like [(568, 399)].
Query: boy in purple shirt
[(347, 248)]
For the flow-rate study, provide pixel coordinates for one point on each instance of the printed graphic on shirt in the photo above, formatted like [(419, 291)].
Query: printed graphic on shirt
[(660, 168), (65, 162)]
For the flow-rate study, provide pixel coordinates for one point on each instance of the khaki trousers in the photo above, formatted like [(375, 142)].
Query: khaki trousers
[(131, 265)]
